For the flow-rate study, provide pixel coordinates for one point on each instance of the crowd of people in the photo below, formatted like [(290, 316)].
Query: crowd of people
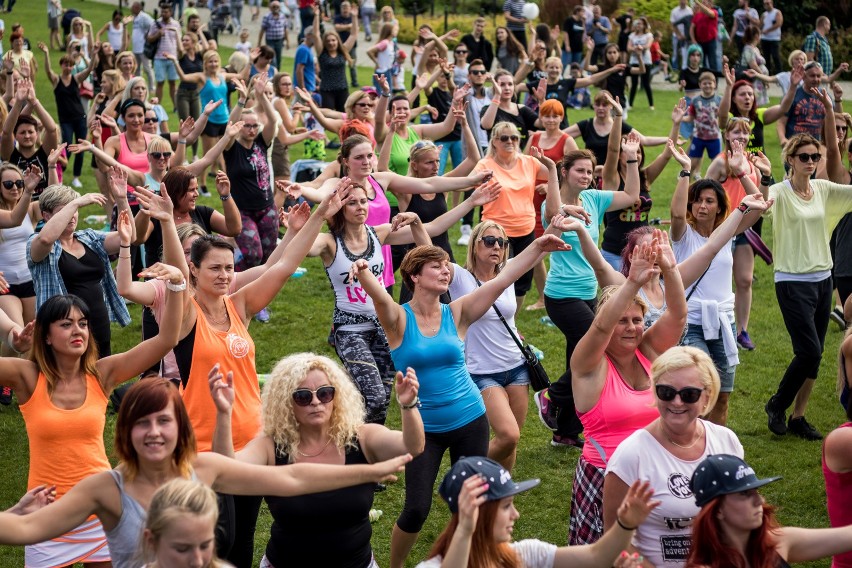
[(653, 320)]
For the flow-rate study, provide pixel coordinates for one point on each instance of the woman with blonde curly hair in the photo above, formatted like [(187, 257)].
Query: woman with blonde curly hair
[(314, 413)]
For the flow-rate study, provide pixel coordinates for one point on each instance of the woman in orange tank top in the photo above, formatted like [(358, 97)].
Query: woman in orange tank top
[(63, 394)]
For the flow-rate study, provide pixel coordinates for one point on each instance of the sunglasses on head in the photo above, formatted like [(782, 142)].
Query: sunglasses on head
[(688, 395), (9, 184), (490, 241), (805, 158), (512, 137), (304, 397), (160, 155), (151, 120)]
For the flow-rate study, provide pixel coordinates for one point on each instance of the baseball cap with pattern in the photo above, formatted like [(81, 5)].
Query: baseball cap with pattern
[(723, 474), (500, 483)]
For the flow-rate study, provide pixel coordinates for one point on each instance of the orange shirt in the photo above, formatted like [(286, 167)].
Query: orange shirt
[(234, 351), (735, 190), (66, 446), (514, 208)]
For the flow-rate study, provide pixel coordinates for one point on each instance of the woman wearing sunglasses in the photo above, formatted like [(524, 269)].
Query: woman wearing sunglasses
[(806, 211), (155, 443), (610, 372), (18, 215), (314, 413), (429, 336), (685, 384)]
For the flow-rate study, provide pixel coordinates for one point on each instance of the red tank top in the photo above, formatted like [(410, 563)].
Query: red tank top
[(838, 492)]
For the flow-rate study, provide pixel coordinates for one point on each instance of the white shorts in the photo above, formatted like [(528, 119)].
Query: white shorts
[(86, 543)]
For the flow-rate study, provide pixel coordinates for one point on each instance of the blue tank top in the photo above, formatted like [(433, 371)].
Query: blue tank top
[(210, 92), (448, 395)]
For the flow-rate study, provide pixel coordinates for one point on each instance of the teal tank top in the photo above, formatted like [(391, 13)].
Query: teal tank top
[(448, 395)]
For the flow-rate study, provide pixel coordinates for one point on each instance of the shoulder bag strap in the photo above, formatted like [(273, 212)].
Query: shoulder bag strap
[(503, 320)]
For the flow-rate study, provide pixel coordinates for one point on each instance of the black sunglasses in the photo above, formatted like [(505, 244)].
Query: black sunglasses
[(304, 397), (160, 155), (490, 241), (507, 137), (688, 395), (460, 51), (805, 158), (150, 120), (478, 72), (9, 184)]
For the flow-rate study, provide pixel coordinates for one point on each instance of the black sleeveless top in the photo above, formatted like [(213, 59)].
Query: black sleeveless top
[(331, 528), (619, 223), (428, 210)]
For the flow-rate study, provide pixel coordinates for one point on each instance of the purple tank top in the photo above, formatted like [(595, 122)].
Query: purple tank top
[(379, 214)]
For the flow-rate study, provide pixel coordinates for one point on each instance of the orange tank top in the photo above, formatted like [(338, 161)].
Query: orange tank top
[(735, 190), (66, 446), (234, 351)]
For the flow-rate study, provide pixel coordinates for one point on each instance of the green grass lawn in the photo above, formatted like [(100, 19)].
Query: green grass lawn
[(301, 319)]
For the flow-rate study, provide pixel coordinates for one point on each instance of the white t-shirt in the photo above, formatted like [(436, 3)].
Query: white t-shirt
[(716, 284), (488, 348), (533, 554), (644, 40), (679, 14), (665, 536), (141, 26)]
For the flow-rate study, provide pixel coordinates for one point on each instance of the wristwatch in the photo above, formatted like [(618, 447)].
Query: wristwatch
[(684, 174)]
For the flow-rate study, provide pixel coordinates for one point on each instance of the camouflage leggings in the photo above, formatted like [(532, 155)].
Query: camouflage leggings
[(366, 356)]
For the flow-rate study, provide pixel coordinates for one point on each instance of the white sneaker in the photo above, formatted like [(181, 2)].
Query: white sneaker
[(77, 183), (464, 240)]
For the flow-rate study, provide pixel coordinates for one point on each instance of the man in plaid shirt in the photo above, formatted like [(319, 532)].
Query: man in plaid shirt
[(272, 27)]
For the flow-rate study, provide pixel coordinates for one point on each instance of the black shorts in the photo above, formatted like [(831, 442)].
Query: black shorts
[(25, 290), (215, 130)]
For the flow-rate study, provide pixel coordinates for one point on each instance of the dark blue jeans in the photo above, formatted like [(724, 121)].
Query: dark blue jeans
[(307, 17), (276, 45), (69, 130), (709, 49)]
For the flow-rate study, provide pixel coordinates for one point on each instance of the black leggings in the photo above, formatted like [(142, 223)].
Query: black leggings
[(805, 307), (421, 472), (573, 317), (517, 246), (242, 520), (645, 78), (335, 99)]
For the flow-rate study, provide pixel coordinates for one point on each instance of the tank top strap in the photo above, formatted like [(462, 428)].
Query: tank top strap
[(374, 183)]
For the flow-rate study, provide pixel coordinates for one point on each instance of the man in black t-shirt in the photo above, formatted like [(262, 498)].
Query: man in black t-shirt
[(343, 27), (573, 35), (479, 47)]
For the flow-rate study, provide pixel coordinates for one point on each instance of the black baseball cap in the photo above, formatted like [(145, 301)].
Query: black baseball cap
[(723, 474), (500, 483)]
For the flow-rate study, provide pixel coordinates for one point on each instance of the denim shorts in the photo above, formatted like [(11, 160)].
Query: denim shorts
[(164, 70), (716, 349), (517, 377)]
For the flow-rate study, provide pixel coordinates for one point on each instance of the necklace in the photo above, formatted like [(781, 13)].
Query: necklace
[(304, 455), (210, 317), (682, 446), (432, 328)]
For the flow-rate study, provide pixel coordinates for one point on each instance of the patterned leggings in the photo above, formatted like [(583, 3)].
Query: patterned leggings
[(258, 238), (366, 356)]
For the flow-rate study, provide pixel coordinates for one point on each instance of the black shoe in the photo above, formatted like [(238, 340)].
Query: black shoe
[(204, 192), (803, 429), (333, 145), (777, 418), (5, 396), (380, 487)]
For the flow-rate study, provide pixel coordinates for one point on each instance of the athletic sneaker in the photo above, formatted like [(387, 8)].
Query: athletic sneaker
[(77, 183), (803, 429), (546, 410), (375, 515), (5, 396), (464, 240), (836, 316), (744, 341), (777, 418), (567, 442), (263, 315)]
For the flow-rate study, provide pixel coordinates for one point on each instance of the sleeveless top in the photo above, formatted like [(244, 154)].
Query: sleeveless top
[(115, 36), (654, 313), (13, 252), (838, 492), (335, 524), (620, 223), (234, 351), (352, 305), (134, 161), (69, 105), (619, 412), (379, 213), (734, 187), (66, 446), (555, 152), (448, 395), (210, 92), (428, 210), (188, 66), (400, 151)]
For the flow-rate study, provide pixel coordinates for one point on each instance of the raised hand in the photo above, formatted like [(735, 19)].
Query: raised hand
[(797, 74), (561, 223), (333, 202), (643, 265), (157, 206), (471, 497), (406, 386), (637, 504), (761, 162), (82, 145), (630, 145), (223, 184), (737, 158), (384, 471), (240, 87), (477, 178), (617, 110), (422, 80), (89, 199), (679, 110), (32, 177), (260, 81), (233, 129), (539, 155), (213, 105), (551, 243), (42, 46), (460, 93), (822, 95), (404, 219), (22, 90), (382, 81), (294, 218), (293, 190), (221, 389), (665, 257), (357, 267), (756, 202), (679, 155), (118, 182), (186, 127), (108, 121), (22, 341), (54, 155), (162, 271), (540, 92), (35, 499), (124, 226)]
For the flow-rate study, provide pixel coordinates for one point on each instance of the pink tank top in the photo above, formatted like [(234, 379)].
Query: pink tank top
[(132, 160), (838, 492), (619, 412), (379, 214)]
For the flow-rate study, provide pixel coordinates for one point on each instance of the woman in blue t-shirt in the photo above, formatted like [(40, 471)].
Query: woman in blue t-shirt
[(428, 336)]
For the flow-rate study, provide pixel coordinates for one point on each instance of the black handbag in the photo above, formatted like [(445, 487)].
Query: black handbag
[(538, 376), (149, 50)]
